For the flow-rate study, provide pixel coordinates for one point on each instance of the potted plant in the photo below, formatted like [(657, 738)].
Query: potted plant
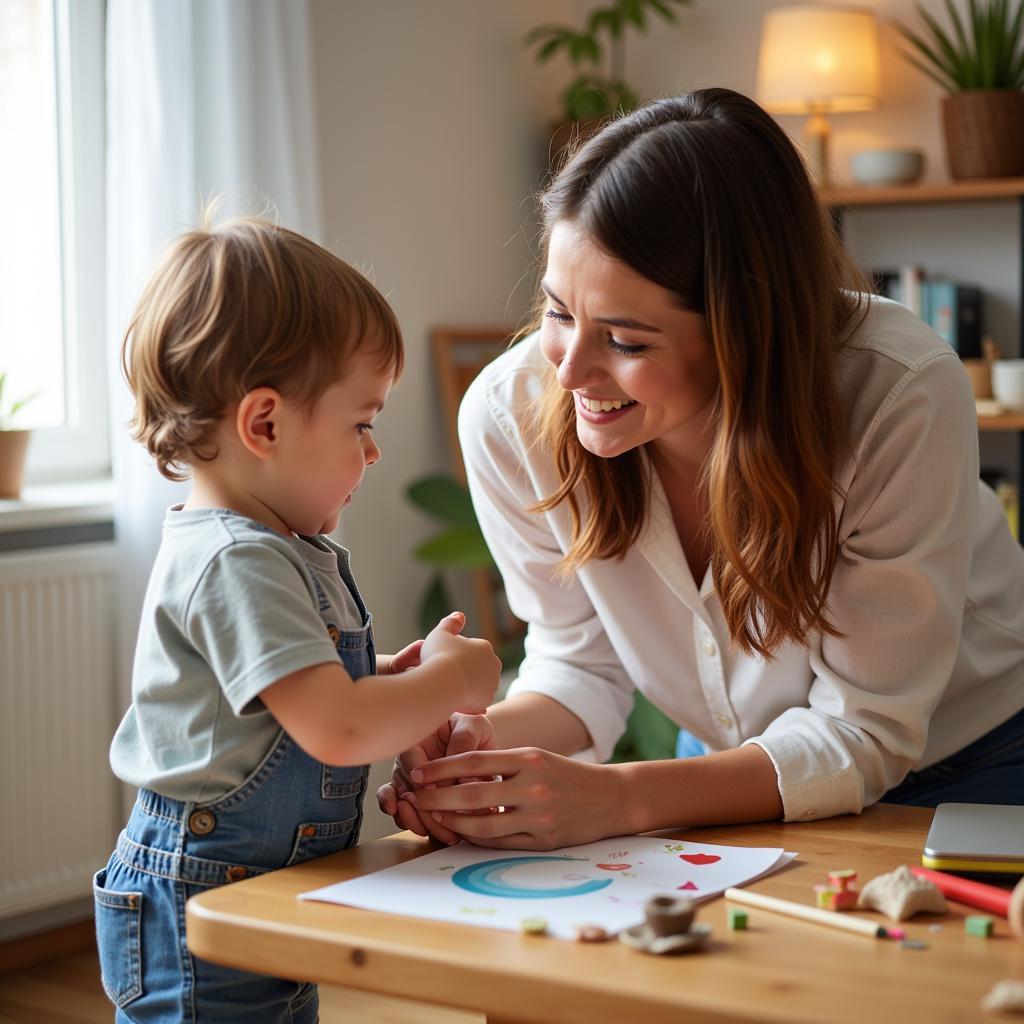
[(980, 63), (597, 52), (13, 444)]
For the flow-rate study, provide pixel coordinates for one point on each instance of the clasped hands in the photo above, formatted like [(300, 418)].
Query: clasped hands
[(456, 784)]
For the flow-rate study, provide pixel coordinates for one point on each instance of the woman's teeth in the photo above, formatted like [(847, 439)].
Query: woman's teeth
[(604, 405)]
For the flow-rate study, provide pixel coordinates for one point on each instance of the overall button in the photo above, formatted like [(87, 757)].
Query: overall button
[(236, 873), (307, 830), (201, 823)]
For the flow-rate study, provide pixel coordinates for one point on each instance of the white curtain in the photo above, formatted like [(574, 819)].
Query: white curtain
[(204, 97)]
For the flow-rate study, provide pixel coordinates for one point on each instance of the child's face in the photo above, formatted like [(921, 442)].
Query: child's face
[(324, 451)]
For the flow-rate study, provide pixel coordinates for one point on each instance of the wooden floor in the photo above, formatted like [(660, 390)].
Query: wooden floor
[(68, 991)]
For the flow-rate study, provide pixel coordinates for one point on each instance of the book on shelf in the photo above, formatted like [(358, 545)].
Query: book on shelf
[(951, 309)]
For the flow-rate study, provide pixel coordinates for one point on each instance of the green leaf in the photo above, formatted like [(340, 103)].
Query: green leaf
[(462, 547), (444, 499), (435, 605), (954, 60), (944, 83), (649, 736)]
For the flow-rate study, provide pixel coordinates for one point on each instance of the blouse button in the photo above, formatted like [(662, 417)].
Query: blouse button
[(201, 823), (724, 719), (811, 813), (708, 647), (307, 830)]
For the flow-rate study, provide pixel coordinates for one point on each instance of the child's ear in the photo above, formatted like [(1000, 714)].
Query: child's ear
[(257, 421)]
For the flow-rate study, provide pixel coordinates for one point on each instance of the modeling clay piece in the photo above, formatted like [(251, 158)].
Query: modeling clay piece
[(533, 926), (668, 928), (591, 933), (737, 919), (831, 898), (901, 894), (979, 924), (1005, 995)]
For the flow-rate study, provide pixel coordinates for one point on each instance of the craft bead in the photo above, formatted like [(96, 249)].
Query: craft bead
[(591, 933), (737, 919), (978, 924), (842, 879)]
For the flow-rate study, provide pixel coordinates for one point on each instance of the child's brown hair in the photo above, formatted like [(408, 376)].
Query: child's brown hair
[(242, 305)]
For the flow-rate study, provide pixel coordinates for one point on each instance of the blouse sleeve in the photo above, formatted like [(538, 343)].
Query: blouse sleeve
[(897, 596), (568, 654)]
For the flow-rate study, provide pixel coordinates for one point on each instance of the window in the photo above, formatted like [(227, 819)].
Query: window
[(52, 294)]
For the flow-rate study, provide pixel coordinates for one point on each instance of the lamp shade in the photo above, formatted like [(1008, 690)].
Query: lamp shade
[(817, 58)]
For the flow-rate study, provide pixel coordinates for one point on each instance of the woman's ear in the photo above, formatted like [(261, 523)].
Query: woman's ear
[(256, 421)]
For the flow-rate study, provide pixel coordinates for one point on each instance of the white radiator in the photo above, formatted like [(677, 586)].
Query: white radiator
[(59, 803)]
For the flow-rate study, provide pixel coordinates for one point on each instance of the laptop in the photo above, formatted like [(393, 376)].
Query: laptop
[(976, 837)]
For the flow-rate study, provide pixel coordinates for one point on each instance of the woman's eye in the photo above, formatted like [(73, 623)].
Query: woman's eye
[(560, 318), (625, 350)]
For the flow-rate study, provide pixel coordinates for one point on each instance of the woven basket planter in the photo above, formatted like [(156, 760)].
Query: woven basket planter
[(984, 131)]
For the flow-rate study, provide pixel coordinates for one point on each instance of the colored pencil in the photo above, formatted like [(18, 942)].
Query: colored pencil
[(826, 917), (963, 890)]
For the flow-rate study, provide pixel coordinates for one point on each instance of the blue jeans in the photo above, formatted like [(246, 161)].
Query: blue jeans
[(988, 771)]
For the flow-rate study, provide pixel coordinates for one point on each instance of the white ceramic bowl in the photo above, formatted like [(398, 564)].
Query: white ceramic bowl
[(1008, 383), (887, 166)]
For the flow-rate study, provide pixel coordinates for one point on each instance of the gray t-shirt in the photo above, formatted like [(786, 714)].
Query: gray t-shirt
[(230, 608)]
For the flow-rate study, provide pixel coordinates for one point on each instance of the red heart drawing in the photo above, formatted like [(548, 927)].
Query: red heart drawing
[(612, 867), (699, 858), (688, 885)]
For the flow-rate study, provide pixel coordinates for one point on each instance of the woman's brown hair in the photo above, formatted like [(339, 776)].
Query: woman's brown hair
[(237, 306), (705, 195)]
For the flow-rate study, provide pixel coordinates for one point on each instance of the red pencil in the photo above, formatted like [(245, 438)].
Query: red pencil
[(974, 894)]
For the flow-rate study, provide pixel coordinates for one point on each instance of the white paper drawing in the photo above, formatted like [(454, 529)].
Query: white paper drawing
[(604, 883)]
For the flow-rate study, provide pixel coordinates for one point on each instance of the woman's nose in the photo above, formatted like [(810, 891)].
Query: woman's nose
[(577, 367)]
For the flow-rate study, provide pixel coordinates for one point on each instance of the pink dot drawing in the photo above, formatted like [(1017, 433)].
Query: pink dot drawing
[(687, 885), (699, 859)]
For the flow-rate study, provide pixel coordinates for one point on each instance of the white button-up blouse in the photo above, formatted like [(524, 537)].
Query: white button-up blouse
[(928, 589)]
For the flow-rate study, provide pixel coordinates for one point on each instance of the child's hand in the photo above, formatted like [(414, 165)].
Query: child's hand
[(459, 735), (407, 657), (475, 659)]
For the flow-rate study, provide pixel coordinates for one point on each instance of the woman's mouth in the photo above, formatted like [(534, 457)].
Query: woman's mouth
[(602, 410)]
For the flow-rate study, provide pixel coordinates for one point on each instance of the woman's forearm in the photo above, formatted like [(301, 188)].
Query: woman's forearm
[(533, 720), (730, 787)]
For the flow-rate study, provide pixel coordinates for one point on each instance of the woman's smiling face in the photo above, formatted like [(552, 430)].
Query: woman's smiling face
[(640, 368)]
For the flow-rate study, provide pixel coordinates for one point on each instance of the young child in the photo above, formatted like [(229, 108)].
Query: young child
[(258, 362)]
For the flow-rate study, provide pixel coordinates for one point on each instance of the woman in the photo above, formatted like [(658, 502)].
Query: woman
[(718, 476)]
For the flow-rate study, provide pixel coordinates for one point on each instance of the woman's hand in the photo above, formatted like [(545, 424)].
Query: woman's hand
[(461, 733), (544, 800)]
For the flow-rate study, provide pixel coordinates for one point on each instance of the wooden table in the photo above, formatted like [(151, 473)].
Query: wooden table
[(781, 969)]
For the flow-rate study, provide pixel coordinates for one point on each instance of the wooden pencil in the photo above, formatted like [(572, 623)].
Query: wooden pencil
[(829, 918)]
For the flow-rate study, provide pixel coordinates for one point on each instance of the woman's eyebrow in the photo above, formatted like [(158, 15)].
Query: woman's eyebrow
[(629, 325)]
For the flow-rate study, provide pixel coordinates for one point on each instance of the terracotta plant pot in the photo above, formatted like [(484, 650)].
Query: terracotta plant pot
[(984, 131), (13, 449)]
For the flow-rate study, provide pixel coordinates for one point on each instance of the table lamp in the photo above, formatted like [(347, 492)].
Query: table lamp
[(818, 60)]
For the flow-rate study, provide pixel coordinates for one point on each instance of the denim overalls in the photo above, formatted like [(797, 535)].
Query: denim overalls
[(290, 809)]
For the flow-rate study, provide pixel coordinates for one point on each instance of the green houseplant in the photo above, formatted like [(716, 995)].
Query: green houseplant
[(649, 734), (597, 53), (979, 61), (13, 443)]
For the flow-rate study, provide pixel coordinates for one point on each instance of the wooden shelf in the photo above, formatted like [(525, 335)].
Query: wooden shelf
[(938, 192), (1006, 421)]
